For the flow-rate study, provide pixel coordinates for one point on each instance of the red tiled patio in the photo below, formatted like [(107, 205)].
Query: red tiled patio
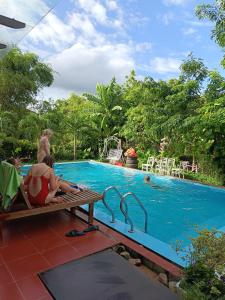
[(38, 243)]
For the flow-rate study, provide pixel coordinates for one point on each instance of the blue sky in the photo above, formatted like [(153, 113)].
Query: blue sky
[(90, 41)]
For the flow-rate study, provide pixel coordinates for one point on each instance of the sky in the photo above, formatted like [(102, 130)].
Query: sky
[(90, 41)]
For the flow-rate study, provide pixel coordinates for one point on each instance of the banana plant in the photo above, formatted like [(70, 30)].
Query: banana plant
[(108, 111)]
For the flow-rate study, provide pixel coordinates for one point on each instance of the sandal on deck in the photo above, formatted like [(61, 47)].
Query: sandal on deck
[(74, 232), (91, 228)]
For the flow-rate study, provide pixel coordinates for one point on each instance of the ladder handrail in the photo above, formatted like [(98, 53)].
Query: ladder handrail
[(108, 207), (126, 212)]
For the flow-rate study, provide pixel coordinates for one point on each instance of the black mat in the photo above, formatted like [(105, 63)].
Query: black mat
[(102, 276)]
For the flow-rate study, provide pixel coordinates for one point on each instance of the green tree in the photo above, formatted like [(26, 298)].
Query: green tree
[(146, 114), (182, 105), (31, 127), (22, 76), (216, 14), (109, 110), (193, 69), (8, 123), (76, 122)]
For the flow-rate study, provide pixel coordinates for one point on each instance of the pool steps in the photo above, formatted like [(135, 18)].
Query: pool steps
[(124, 207)]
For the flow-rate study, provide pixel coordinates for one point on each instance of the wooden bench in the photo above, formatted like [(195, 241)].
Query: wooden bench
[(70, 201)]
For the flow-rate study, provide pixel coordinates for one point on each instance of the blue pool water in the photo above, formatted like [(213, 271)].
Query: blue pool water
[(173, 210)]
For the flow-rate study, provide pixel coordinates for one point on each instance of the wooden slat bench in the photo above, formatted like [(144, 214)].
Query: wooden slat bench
[(69, 201)]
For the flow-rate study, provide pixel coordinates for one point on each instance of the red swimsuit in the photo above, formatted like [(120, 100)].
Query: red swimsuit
[(42, 195)]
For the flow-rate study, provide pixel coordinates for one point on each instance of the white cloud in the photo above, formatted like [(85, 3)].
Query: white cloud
[(176, 2), (110, 14), (79, 68), (201, 23), (86, 32), (95, 9), (117, 23), (80, 51), (166, 18), (52, 32), (165, 65), (189, 31), (193, 33), (137, 19), (53, 93), (81, 55), (112, 5), (30, 47), (142, 47)]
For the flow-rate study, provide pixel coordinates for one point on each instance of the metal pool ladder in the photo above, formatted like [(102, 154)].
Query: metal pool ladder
[(124, 207), (108, 207)]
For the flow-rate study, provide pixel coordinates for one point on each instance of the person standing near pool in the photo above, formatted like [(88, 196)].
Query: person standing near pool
[(44, 145)]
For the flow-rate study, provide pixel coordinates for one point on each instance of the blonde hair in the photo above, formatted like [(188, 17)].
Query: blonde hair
[(48, 132)]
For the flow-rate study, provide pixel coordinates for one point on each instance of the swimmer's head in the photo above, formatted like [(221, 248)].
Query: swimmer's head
[(147, 179)]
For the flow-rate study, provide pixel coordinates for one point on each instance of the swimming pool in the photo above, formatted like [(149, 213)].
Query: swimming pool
[(173, 210)]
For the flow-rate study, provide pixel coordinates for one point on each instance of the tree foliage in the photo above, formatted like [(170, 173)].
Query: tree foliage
[(109, 111), (22, 76), (216, 14)]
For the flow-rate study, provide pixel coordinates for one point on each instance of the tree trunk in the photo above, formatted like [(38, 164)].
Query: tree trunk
[(74, 147)]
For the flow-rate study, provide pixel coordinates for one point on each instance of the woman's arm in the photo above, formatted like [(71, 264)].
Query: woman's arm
[(54, 181), (45, 145)]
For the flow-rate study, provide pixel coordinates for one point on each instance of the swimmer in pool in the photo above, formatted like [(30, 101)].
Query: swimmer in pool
[(147, 180)]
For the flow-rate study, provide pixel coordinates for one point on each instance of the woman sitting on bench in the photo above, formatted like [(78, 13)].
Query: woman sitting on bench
[(42, 184)]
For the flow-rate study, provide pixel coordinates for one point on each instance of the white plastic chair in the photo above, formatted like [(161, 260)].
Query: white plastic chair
[(170, 165), (161, 166), (177, 171), (149, 165), (185, 165)]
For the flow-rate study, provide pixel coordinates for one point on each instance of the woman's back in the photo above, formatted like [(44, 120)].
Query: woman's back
[(38, 183), (40, 170)]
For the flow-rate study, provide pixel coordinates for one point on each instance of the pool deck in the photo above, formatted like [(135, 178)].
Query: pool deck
[(38, 243)]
